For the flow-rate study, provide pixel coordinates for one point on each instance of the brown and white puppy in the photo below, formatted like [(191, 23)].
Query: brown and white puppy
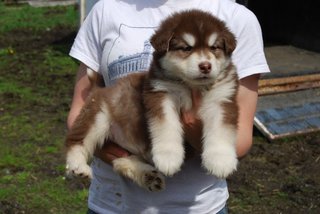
[(192, 52)]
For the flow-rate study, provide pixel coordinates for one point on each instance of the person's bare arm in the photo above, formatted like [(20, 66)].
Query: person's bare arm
[(247, 100), (80, 93)]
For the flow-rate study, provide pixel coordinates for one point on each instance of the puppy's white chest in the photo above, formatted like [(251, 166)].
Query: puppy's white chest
[(184, 100), (180, 94)]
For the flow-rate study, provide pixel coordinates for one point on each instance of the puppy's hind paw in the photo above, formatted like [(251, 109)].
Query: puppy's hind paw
[(154, 181), (83, 171)]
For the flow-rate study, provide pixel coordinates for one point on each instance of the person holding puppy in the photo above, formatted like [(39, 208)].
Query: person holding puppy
[(114, 41)]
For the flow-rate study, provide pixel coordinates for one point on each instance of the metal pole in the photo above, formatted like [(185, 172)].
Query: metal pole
[(82, 10)]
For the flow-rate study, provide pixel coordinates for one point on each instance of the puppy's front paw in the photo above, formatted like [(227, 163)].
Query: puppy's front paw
[(168, 163), (79, 170), (153, 181), (220, 163)]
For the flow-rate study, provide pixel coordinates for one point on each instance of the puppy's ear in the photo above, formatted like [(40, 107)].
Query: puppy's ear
[(161, 38), (160, 41), (230, 42)]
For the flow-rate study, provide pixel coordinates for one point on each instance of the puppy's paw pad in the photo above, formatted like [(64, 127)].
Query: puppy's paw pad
[(154, 181)]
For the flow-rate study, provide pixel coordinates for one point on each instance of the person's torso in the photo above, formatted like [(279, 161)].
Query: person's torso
[(126, 48)]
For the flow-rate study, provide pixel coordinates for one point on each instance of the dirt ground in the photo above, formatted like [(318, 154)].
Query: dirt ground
[(276, 177), (279, 177)]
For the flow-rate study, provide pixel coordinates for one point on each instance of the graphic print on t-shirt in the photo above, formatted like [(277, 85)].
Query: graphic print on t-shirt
[(130, 52)]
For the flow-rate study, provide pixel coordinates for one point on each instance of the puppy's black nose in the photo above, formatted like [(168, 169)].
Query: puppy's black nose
[(205, 67)]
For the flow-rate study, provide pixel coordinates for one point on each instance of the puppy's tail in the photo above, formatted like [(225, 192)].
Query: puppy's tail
[(96, 79)]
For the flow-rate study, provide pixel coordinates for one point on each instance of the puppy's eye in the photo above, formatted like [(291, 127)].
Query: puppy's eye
[(213, 48), (187, 48), (183, 48)]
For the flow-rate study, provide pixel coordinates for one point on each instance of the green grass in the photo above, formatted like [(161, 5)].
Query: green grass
[(35, 93), (35, 18), (48, 195)]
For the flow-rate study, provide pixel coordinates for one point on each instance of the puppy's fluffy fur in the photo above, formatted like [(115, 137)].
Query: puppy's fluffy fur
[(192, 52)]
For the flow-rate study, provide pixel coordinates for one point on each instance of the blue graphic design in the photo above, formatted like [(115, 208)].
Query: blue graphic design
[(133, 63)]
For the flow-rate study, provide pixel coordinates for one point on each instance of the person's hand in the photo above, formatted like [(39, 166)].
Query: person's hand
[(192, 124), (111, 151)]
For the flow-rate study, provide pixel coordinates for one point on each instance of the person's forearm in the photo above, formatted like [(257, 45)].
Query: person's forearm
[(247, 100), (81, 91)]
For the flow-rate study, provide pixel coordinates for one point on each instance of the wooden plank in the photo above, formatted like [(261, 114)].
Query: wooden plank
[(288, 88), (288, 84), (288, 80)]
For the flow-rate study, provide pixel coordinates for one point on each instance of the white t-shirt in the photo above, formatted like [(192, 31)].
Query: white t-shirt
[(114, 40)]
